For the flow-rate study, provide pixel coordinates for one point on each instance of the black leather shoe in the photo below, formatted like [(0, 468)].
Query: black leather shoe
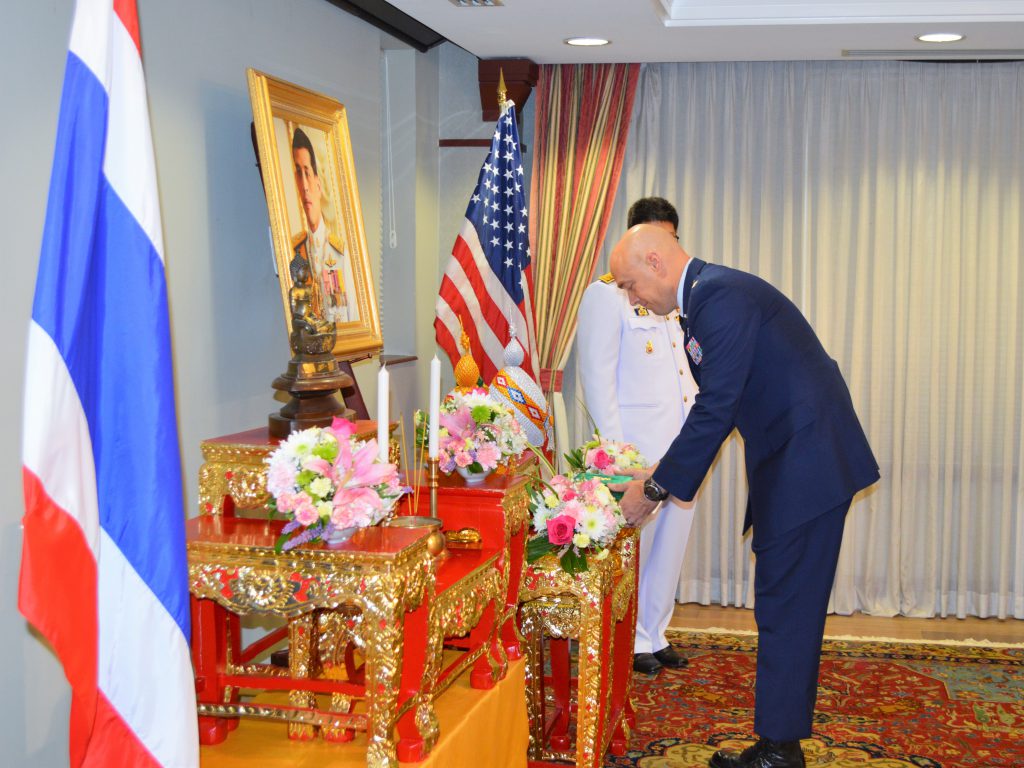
[(670, 658), (646, 663), (764, 754)]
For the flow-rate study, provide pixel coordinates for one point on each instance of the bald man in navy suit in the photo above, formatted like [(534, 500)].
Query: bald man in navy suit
[(762, 371)]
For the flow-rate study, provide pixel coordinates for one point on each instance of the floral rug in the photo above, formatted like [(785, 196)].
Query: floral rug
[(881, 704)]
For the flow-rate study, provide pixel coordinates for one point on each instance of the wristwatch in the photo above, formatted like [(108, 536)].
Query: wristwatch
[(653, 491)]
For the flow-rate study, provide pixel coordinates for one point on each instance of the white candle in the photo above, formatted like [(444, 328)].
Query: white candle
[(382, 414), (435, 406)]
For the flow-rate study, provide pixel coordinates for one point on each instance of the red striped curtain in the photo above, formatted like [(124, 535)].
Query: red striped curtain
[(582, 114)]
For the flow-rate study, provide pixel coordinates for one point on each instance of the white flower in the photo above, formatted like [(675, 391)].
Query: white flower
[(321, 487), (594, 523), (300, 444), (581, 540), (540, 518)]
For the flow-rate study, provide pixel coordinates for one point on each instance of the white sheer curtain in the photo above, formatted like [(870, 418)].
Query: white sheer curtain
[(887, 200)]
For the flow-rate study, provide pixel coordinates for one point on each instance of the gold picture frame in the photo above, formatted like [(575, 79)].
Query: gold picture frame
[(305, 156)]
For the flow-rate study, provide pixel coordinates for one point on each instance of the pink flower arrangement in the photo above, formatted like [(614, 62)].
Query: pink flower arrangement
[(605, 457), (573, 518), (324, 479), (475, 432)]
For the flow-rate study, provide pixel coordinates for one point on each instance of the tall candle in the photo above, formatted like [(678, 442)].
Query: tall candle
[(382, 413), (435, 405)]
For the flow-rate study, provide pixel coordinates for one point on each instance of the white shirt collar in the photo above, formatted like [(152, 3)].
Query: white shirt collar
[(679, 288)]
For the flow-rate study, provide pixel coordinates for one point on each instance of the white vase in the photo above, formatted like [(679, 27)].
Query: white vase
[(473, 478), (340, 535)]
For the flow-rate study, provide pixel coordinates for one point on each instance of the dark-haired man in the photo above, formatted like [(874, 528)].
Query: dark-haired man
[(638, 388), (328, 264)]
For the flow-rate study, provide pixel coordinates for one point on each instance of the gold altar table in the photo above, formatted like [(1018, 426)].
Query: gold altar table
[(386, 574), (380, 592), (493, 514), (597, 608)]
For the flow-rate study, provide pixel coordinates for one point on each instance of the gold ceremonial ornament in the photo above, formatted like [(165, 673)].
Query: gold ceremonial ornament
[(436, 538), (467, 372)]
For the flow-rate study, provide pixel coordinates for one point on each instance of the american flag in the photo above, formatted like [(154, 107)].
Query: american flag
[(103, 566), (488, 283)]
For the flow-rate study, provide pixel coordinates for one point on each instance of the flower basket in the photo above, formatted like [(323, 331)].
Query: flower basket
[(475, 432), (324, 480)]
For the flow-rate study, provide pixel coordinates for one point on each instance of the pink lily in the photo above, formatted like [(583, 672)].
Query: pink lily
[(458, 424)]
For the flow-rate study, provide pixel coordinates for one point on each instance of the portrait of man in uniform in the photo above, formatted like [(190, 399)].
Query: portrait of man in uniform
[(316, 245), (308, 171)]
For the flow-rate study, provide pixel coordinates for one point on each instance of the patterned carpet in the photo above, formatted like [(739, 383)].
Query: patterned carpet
[(880, 705)]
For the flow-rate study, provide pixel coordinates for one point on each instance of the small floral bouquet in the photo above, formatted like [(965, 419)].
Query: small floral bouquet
[(573, 518), (325, 480), (474, 431), (605, 457)]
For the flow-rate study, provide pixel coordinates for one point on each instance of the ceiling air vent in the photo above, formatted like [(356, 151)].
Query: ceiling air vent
[(476, 3), (936, 54)]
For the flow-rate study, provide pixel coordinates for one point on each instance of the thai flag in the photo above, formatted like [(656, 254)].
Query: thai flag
[(103, 568)]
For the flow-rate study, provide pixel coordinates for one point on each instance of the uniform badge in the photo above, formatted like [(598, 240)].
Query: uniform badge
[(649, 349), (641, 311), (694, 350), (607, 278)]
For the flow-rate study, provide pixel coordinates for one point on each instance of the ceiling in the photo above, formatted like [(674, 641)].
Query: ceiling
[(724, 30)]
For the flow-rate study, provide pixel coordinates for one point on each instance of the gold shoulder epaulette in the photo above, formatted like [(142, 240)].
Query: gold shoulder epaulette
[(607, 278), (335, 242), (298, 239)]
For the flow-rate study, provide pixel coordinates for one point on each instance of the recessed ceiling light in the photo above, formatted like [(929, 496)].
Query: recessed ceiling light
[(586, 41), (940, 37)]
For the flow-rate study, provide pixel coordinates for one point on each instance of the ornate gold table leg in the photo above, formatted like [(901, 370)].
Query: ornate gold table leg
[(531, 625), (383, 680), (301, 639)]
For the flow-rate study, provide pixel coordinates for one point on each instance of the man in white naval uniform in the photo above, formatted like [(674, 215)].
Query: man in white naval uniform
[(638, 387), (330, 268)]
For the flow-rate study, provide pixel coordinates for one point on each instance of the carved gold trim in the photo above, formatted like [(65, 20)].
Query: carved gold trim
[(250, 579), (310, 718), (558, 605)]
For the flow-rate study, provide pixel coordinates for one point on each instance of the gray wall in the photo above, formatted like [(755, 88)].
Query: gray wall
[(229, 333)]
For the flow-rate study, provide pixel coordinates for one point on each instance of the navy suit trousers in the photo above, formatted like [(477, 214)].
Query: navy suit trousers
[(793, 577)]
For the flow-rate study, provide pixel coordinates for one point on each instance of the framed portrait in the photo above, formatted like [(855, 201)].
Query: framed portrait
[(316, 221)]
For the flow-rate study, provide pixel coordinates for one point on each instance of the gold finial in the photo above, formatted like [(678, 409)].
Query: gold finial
[(502, 91), (467, 372)]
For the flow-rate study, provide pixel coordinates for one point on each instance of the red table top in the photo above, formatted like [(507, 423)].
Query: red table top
[(251, 532), (261, 435), (453, 485)]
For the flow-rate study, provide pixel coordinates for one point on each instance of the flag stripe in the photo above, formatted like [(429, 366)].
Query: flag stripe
[(89, 35), (61, 602), (128, 163), (129, 16)]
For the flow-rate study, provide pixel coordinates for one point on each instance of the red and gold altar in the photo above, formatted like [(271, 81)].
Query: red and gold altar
[(397, 653)]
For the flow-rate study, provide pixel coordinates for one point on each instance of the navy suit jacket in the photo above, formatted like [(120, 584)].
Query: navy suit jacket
[(762, 370)]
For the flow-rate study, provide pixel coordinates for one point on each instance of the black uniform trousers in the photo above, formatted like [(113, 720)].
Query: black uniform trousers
[(793, 577)]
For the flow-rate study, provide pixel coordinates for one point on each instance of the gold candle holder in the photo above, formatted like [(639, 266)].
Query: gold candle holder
[(432, 484)]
